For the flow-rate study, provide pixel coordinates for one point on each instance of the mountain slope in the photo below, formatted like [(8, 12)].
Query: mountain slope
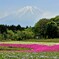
[(26, 16)]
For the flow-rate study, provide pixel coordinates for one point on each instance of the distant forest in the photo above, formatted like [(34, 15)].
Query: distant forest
[(44, 28)]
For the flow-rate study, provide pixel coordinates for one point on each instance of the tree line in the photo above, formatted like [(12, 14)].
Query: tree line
[(12, 32), (47, 28), (44, 28)]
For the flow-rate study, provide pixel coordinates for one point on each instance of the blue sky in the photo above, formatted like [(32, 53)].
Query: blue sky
[(23, 12)]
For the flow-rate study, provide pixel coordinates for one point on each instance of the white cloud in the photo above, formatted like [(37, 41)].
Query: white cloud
[(4, 14), (48, 14)]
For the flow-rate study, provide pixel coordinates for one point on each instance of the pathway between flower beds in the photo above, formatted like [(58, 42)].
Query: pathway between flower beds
[(33, 47)]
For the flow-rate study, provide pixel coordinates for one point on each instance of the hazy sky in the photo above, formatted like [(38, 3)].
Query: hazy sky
[(23, 12)]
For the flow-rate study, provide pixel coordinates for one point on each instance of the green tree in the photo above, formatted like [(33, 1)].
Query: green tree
[(1, 37), (20, 35), (52, 29), (28, 33), (55, 19), (10, 34), (40, 27)]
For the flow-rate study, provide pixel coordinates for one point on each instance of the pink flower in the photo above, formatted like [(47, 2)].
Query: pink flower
[(34, 47)]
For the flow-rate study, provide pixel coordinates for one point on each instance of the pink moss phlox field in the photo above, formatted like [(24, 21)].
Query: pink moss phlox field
[(34, 47)]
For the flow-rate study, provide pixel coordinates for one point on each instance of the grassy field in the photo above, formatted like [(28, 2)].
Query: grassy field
[(56, 40), (22, 42), (2, 48), (40, 55), (34, 41), (17, 55)]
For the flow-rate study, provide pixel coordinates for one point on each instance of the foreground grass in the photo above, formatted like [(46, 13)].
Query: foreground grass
[(18, 55)]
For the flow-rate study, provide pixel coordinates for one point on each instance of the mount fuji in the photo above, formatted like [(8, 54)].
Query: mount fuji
[(26, 16)]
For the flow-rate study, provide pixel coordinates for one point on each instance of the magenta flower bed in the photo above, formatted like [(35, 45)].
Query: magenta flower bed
[(34, 47)]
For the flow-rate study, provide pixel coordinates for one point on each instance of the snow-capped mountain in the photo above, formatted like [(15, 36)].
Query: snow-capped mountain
[(26, 16)]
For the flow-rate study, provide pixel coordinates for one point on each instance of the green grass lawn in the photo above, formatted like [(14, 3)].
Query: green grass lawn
[(18, 55)]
